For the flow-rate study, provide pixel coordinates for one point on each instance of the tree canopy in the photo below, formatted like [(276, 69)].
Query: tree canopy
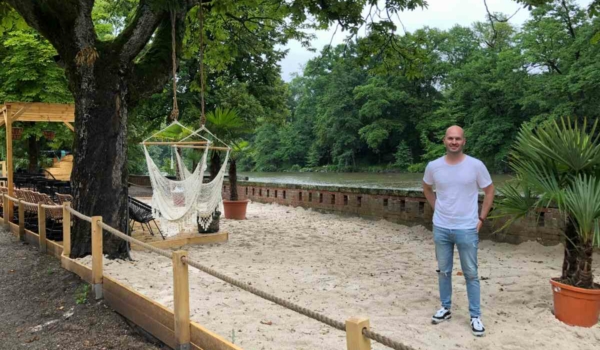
[(352, 109)]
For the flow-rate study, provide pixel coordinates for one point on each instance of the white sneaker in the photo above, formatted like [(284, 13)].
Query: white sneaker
[(441, 315), (477, 327)]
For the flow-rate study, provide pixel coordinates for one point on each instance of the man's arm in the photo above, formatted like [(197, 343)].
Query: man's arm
[(488, 200), (429, 194)]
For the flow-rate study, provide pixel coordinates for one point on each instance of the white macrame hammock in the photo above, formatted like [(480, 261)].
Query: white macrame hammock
[(183, 205)]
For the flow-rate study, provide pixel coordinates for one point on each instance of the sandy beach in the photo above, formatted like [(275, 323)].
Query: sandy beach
[(348, 266)]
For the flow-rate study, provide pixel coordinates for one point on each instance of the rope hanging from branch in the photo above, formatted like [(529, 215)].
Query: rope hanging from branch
[(202, 115), (175, 110)]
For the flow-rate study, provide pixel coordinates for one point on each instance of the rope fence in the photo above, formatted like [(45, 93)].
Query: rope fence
[(78, 214), (357, 330)]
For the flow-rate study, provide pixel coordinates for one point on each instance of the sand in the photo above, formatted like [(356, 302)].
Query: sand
[(348, 266)]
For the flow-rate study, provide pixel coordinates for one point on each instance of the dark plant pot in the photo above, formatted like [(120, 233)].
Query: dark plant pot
[(235, 210), (49, 135), (214, 225), (17, 133), (576, 306)]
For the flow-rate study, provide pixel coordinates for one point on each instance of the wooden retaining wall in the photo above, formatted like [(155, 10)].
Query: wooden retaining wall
[(153, 317)]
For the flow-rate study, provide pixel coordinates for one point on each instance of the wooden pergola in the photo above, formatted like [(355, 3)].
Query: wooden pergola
[(31, 112)]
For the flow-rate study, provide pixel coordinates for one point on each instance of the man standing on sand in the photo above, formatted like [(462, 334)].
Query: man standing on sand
[(457, 178)]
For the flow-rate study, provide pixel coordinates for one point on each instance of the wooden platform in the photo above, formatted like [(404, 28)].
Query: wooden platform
[(142, 234), (61, 169), (181, 240)]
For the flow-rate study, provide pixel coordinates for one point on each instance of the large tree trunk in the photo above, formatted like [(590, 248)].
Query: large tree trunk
[(99, 178), (233, 193), (34, 154), (572, 243), (104, 77)]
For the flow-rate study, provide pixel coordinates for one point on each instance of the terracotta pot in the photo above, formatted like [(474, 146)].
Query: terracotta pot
[(49, 134), (17, 133), (576, 306), (235, 210)]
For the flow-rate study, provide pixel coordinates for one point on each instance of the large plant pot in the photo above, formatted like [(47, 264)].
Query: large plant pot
[(576, 306), (235, 210)]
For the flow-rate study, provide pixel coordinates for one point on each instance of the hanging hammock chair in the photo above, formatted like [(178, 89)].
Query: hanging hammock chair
[(186, 204), (183, 205)]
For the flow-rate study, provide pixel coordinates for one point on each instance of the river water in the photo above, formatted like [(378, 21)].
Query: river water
[(367, 180)]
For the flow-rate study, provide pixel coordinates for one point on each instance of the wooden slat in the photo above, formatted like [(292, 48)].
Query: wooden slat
[(46, 117), (80, 270), (21, 220), (14, 229), (31, 238), (181, 296), (42, 227), (9, 159), (54, 248), (20, 111), (97, 267), (192, 239), (159, 312), (143, 319), (174, 143), (70, 126), (66, 229), (205, 339)]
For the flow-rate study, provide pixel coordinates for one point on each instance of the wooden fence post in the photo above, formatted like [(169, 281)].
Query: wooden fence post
[(21, 220), (42, 227), (66, 229), (97, 256), (354, 337), (5, 211), (181, 290)]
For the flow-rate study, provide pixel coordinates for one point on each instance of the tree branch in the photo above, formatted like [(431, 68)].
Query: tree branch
[(67, 24), (152, 72), (137, 34)]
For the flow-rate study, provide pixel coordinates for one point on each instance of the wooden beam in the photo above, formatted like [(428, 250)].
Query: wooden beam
[(355, 340), (70, 126), (209, 147), (66, 229), (5, 215), (47, 118), (175, 143), (181, 300), (189, 239), (21, 111), (9, 157), (97, 256), (42, 228), (21, 220)]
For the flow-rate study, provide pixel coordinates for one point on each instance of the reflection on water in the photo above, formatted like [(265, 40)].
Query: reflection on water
[(370, 180)]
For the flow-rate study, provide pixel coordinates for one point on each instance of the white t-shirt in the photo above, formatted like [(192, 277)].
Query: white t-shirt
[(457, 190)]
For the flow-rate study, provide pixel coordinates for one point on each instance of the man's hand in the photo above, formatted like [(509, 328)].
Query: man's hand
[(429, 194), (488, 200), (479, 225)]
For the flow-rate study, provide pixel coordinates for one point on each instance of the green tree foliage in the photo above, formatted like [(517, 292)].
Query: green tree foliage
[(356, 106), (29, 73)]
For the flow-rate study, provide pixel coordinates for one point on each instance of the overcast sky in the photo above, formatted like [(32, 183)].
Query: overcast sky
[(443, 14)]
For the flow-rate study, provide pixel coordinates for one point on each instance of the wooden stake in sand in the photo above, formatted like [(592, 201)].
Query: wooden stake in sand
[(97, 255), (181, 298)]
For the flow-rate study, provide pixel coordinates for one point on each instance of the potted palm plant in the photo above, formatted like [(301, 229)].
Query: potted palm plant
[(558, 164), (231, 129)]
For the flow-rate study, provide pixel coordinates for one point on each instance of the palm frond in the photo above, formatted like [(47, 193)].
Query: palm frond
[(582, 202), (515, 202)]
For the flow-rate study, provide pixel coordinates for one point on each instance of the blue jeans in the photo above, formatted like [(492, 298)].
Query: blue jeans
[(467, 242)]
